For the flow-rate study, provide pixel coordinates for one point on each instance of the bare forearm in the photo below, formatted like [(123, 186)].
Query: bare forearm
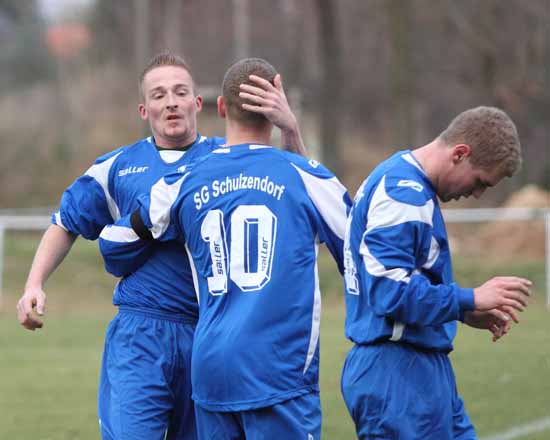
[(291, 140), (52, 250)]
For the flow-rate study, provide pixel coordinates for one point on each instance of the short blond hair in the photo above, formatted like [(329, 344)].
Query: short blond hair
[(492, 136), (165, 58)]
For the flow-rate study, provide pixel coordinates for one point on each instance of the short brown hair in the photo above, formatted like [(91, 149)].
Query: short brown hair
[(239, 74), (165, 59), (492, 136)]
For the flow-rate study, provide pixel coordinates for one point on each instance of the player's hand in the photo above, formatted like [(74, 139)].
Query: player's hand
[(496, 321), (499, 292), (30, 307), (269, 100)]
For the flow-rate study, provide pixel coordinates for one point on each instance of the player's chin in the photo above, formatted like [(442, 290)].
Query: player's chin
[(175, 130)]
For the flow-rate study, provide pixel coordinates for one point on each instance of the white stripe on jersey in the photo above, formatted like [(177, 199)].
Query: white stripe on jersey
[(58, 221), (410, 158), (119, 234), (100, 172), (329, 201), (385, 211), (193, 272), (377, 269), (315, 315), (399, 327), (432, 255), (397, 332), (163, 197)]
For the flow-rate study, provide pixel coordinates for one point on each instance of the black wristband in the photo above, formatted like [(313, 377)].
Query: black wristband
[(139, 227)]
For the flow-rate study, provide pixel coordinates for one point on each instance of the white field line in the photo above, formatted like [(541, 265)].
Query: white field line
[(522, 430)]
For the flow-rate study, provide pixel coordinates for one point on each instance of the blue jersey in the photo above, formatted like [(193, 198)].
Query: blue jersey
[(108, 190), (251, 218), (398, 277)]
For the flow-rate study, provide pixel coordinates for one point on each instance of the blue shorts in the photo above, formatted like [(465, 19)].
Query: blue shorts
[(298, 418), (395, 391), (145, 383)]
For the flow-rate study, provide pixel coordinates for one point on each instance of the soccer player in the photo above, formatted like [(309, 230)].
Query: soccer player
[(401, 302), (251, 218), (144, 388)]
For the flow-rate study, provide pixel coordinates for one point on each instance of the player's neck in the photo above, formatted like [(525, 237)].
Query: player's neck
[(430, 158), (236, 134), (175, 143)]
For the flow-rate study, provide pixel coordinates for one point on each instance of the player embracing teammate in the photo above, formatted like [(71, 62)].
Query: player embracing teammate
[(255, 361)]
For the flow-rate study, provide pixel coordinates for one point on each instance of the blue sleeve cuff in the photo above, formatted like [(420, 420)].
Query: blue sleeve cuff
[(465, 301)]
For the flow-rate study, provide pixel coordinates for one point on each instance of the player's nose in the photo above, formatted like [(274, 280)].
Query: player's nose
[(171, 101)]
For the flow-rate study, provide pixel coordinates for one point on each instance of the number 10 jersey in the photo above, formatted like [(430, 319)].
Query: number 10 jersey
[(251, 218)]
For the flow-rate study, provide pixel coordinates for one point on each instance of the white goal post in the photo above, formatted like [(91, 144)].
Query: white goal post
[(41, 222)]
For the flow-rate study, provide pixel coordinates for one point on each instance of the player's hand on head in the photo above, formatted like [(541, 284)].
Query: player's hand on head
[(509, 292), (269, 100), (30, 306)]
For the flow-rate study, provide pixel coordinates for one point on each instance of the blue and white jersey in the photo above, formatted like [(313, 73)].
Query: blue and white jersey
[(398, 273), (251, 217), (110, 189)]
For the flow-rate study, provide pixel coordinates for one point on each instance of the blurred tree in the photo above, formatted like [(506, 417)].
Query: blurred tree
[(114, 30), (373, 75), (23, 56), (328, 106), (402, 75), (509, 69)]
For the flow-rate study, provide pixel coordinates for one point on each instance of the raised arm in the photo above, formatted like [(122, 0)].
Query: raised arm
[(52, 250), (270, 100)]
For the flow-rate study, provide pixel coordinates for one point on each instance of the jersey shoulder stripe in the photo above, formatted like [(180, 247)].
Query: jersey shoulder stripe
[(100, 173), (163, 196), (387, 210), (329, 197)]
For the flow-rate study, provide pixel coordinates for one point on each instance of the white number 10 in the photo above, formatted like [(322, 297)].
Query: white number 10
[(253, 235)]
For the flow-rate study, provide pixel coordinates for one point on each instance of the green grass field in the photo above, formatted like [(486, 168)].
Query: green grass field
[(48, 378)]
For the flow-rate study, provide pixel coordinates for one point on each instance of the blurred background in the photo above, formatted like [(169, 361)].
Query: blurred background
[(365, 78)]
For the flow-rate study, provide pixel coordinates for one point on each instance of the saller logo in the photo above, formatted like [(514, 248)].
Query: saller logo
[(411, 184), (132, 170)]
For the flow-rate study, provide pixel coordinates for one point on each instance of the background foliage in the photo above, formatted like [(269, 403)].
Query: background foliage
[(366, 77)]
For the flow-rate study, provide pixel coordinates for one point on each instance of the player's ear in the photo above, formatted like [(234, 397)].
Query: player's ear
[(221, 107), (198, 102), (142, 111), (461, 152)]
